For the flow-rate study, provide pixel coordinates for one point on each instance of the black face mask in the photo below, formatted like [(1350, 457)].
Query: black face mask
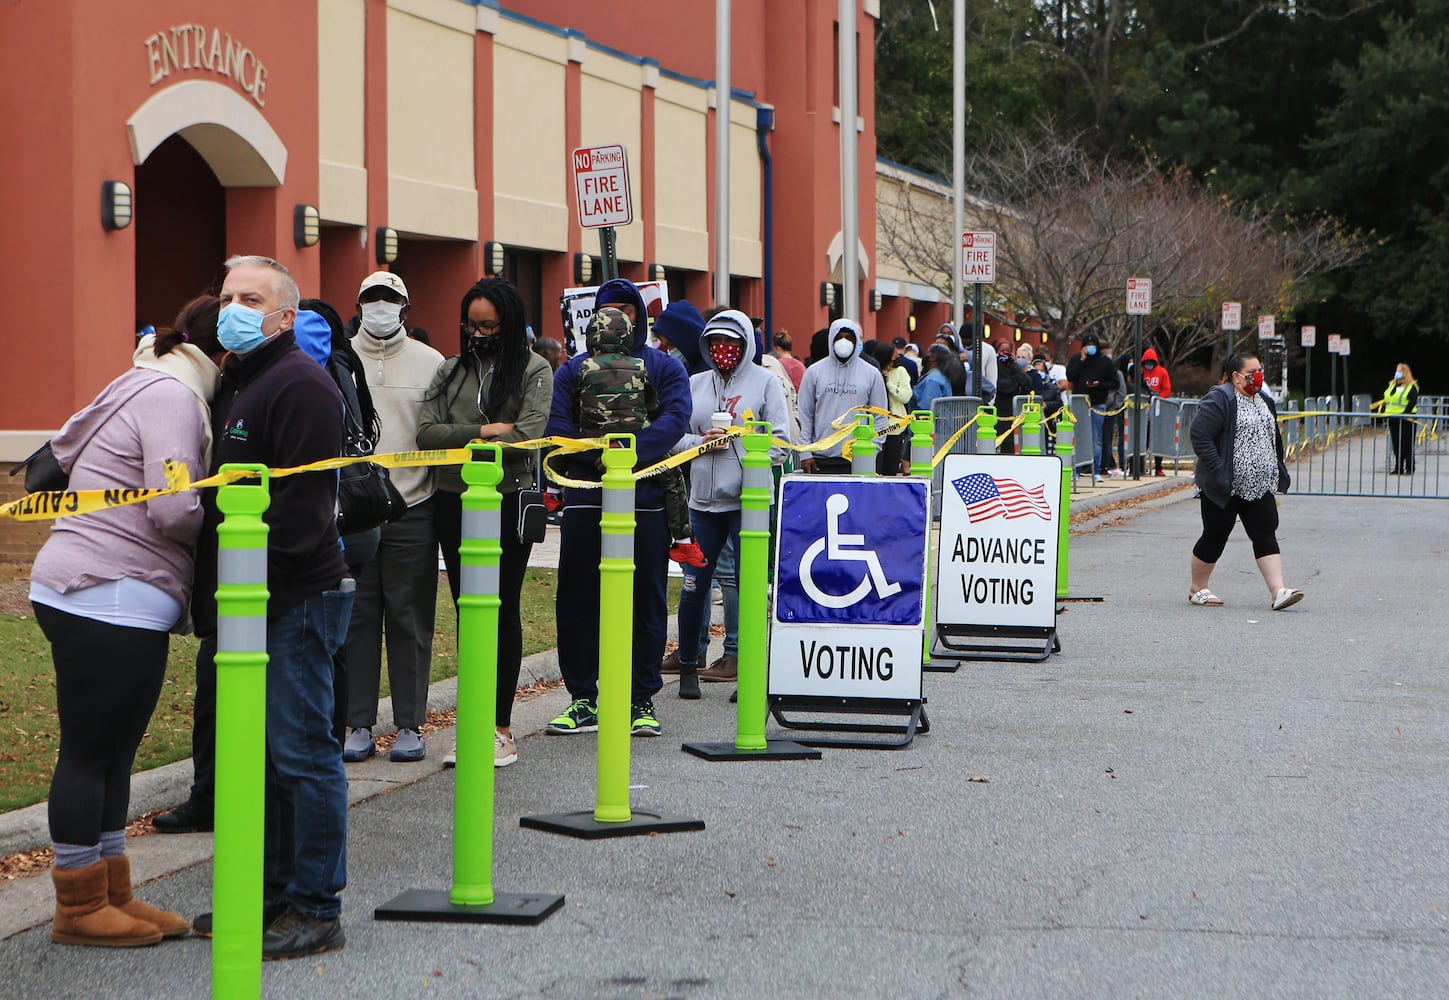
[(487, 347)]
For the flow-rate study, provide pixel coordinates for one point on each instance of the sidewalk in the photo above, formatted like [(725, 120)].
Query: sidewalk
[(28, 902)]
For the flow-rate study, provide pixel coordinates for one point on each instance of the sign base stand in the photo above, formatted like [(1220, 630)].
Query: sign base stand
[(1015, 643), (582, 825), (914, 713), (434, 906), (774, 750)]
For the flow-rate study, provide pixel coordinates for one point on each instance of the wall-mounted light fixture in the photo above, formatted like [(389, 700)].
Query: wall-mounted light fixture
[(911, 323), (306, 226), (384, 245), (827, 295), (583, 269), (115, 205), (493, 257), (876, 300), (656, 272)]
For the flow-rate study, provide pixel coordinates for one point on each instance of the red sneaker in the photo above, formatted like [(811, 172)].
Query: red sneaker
[(687, 553)]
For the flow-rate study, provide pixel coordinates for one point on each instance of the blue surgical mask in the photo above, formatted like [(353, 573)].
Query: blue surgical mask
[(239, 328), (1091, 349), (1399, 376)]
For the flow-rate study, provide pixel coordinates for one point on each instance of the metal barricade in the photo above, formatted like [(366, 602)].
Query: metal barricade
[(1170, 421), (948, 415), (1081, 410), (1350, 453)]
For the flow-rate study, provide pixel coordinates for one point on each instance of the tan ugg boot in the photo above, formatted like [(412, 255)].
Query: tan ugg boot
[(83, 915), (118, 888)]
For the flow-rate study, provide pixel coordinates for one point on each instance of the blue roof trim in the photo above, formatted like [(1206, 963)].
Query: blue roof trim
[(693, 81), (534, 22), (616, 53), (482, 3)]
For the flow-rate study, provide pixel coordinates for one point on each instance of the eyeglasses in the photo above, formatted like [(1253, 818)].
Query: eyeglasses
[(482, 326)]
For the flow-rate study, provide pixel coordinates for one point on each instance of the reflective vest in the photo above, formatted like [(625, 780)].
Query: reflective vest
[(1396, 398)]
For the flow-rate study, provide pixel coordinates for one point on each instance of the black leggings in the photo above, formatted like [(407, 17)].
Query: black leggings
[(107, 680), (512, 564), (1260, 521)]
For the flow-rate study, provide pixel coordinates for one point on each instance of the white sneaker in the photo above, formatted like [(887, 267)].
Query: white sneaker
[(505, 750), (450, 759)]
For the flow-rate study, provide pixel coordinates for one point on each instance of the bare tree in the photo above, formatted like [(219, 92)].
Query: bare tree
[(1072, 227)]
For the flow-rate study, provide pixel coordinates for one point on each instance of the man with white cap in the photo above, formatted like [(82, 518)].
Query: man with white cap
[(833, 386), (397, 591)]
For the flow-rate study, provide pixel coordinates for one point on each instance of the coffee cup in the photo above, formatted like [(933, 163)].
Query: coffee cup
[(722, 421)]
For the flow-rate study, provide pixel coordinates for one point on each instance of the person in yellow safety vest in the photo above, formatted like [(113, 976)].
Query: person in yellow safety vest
[(1400, 398)]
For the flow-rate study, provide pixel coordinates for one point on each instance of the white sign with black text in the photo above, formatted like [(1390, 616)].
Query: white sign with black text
[(1139, 296), (997, 562)]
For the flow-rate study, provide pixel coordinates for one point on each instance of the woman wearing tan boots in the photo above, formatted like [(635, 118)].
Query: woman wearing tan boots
[(107, 588)]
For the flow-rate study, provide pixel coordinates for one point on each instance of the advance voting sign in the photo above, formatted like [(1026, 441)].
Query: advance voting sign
[(997, 564), (849, 605)]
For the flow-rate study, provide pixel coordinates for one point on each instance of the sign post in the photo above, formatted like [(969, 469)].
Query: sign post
[(1343, 351), (1232, 321), (978, 267), (1139, 304), (601, 193), (1306, 337), (1333, 341)]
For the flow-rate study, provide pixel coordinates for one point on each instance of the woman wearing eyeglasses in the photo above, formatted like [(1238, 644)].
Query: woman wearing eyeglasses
[(1239, 467), (495, 389)]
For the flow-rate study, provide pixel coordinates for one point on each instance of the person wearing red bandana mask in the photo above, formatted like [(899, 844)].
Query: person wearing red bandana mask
[(1240, 466), (730, 387)]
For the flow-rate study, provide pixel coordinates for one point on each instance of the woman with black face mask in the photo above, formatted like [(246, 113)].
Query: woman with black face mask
[(495, 389)]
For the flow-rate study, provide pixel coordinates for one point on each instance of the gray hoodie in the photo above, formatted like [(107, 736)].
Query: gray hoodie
[(832, 387), (716, 478)]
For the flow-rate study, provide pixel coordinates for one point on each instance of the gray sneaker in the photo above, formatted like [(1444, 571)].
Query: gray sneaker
[(359, 746), (408, 746)]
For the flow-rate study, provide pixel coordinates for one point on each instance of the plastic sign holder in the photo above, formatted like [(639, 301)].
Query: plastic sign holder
[(996, 565), (472, 898), (611, 816), (750, 742), (849, 617)]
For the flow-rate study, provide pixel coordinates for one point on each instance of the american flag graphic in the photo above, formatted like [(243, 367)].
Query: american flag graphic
[(987, 497)]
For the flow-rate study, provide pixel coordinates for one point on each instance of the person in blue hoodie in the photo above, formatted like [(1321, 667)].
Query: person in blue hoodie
[(733, 384), (577, 602)]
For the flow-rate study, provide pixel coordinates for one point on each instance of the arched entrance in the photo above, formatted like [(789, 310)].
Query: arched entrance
[(180, 231)]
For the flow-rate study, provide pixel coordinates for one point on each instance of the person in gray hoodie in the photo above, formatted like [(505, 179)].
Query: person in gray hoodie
[(730, 384), (832, 387)]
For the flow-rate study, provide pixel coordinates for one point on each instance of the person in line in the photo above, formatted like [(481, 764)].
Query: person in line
[(784, 350), (833, 386), (891, 460), (107, 589), (942, 378), (1049, 394), (397, 592), (1012, 381), (279, 408), (1092, 372), (1158, 382), (733, 384), (494, 389), (550, 350), (1401, 397), (906, 359), (578, 599), (1239, 467)]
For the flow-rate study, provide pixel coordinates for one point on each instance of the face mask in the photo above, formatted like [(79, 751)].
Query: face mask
[(1398, 376), (239, 328), (1023, 364), (1149, 365), (486, 347), (843, 348), (1091, 349), (382, 319), (1255, 382), (726, 355)]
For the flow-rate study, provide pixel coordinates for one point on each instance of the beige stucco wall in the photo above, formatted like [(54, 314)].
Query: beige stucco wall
[(681, 230), (609, 104), (529, 161), (430, 120), (747, 254), (341, 170)]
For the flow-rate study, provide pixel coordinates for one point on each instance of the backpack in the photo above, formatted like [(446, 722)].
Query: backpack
[(613, 394)]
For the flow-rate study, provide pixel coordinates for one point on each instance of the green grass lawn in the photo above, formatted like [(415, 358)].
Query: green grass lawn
[(31, 730)]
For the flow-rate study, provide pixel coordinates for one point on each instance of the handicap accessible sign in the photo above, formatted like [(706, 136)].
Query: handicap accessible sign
[(849, 608)]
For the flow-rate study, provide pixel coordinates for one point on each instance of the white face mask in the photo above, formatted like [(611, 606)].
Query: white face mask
[(843, 348), (382, 319)]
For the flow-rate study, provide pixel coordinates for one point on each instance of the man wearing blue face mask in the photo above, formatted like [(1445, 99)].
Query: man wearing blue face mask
[(1092, 372), (278, 408)]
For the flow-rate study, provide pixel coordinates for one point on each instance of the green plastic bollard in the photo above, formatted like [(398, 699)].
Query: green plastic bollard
[(1066, 435), (754, 573), (241, 750), (862, 453), (922, 451), (478, 604), (616, 630), (986, 430), (1031, 429)]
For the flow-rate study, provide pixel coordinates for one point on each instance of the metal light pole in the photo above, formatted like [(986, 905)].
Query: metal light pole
[(849, 167), (723, 103), (958, 156)]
